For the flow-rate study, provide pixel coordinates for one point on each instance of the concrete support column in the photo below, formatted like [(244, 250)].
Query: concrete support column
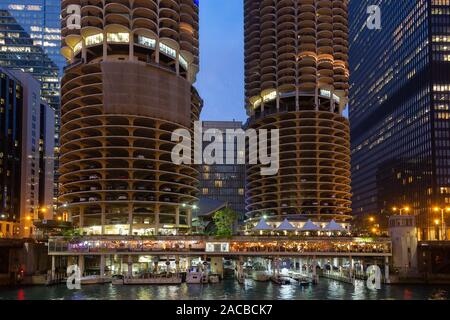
[(131, 47), (81, 217), (105, 47), (103, 217), (53, 268), (130, 266), (157, 210), (121, 263), (352, 265), (102, 265), (386, 270), (189, 217), (177, 264), (130, 219), (81, 264), (177, 218)]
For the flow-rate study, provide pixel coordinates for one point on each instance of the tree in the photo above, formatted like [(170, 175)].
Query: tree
[(224, 220)]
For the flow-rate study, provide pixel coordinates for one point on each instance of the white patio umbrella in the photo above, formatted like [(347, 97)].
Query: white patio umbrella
[(262, 226), (286, 226), (333, 226), (310, 226)]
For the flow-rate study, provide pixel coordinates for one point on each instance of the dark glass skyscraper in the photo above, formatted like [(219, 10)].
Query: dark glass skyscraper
[(30, 40), (224, 182), (399, 109), (26, 154)]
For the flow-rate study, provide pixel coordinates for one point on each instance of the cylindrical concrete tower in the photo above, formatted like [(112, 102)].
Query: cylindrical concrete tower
[(296, 80), (127, 87)]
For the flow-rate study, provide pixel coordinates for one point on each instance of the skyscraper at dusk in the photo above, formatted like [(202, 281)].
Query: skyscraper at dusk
[(30, 40), (399, 110), (224, 182), (26, 154), (128, 86), (296, 80)]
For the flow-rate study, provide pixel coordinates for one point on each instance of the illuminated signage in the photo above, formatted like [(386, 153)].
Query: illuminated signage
[(217, 247)]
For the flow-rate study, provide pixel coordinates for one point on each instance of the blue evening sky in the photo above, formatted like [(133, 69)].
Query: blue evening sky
[(221, 78)]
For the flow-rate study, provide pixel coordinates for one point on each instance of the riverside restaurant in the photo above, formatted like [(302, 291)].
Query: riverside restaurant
[(238, 245)]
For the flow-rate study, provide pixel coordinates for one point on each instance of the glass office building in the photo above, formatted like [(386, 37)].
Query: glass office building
[(30, 40), (224, 182), (26, 154), (399, 110)]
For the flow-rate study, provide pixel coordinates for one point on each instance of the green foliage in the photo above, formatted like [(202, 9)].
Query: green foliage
[(72, 233), (224, 220)]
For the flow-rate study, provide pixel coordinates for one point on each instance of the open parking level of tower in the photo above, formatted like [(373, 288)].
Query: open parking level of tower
[(211, 246)]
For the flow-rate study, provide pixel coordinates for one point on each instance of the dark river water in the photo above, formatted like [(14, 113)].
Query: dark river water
[(228, 289)]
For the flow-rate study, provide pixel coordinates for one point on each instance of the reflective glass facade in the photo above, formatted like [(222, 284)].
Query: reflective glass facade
[(30, 40), (11, 96), (35, 23), (399, 109)]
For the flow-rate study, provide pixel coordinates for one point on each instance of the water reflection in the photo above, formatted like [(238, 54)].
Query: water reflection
[(229, 290)]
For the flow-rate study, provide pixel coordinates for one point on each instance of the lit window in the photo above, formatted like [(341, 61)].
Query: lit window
[(183, 62), (147, 42), (167, 50), (94, 39), (120, 37)]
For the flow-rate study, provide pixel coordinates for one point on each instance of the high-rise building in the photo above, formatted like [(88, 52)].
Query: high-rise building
[(399, 110), (224, 182), (296, 80), (30, 40), (26, 155), (127, 88)]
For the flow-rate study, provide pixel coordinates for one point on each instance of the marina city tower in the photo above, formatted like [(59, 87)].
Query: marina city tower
[(296, 80), (128, 86)]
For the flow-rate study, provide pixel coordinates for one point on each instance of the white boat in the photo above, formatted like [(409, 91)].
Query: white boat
[(260, 276), (194, 277), (214, 278)]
